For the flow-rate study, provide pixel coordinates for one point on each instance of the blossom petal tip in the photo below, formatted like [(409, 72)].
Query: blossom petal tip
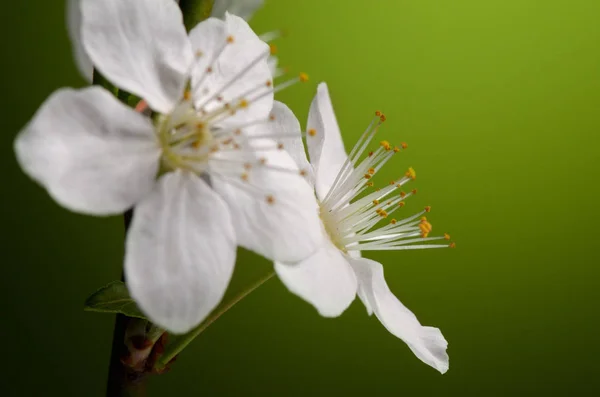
[(435, 344)]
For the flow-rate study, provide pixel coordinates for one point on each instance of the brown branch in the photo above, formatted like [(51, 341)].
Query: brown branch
[(122, 380)]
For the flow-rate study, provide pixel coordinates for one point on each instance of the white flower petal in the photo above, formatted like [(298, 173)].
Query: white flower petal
[(92, 153), (325, 147), (228, 72), (180, 252), (275, 212), (362, 295), (140, 46), (325, 280), (207, 39), (283, 123), (427, 343), (83, 61), (242, 8), (361, 289)]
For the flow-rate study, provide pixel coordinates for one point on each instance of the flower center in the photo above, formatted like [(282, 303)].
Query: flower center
[(354, 214), (331, 226), (187, 138)]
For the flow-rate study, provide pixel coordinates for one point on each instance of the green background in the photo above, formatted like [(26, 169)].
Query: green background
[(499, 102)]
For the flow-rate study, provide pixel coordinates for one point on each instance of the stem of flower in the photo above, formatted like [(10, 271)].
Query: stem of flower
[(122, 382), (173, 349)]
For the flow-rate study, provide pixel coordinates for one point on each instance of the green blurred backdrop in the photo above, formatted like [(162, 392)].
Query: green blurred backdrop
[(499, 102)]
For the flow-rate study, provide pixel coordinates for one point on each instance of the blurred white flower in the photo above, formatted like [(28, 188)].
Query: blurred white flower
[(242, 8), (331, 278), (218, 188), (82, 60)]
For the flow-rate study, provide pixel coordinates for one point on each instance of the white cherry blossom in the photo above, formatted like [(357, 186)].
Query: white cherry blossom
[(217, 188), (242, 8), (352, 213)]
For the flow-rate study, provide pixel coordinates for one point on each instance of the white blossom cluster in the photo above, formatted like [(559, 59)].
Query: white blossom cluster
[(209, 161)]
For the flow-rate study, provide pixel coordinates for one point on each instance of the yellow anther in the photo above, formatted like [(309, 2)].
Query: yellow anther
[(392, 183), (227, 141), (367, 176), (269, 83), (273, 49), (386, 145), (404, 145), (312, 132), (370, 154), (393, 221), (411, 173), (382, 118), (196, 144), (199, 54), (238, 132), (280, 146), (375, 201), (187, 95), (396, 149), (378, 189), (428, 208), (377, 113), (303, 77), (270, 199), (383, 214), (230, 39), (303, 173), (214, 149), (247, 166), (452, 245), (236, 146), (262, 161), (423, 235), (378, 210), (425, 227), (423, 219), (272, 117), (446, 236), (371, 171), (200, 126), (401, 204), (370, 184), (402, 194), (232, 112), (414, 191), (243, 103), (209, 69), (244, 177)]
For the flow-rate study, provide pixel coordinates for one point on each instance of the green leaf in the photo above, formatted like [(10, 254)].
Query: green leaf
[(113, 298)]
